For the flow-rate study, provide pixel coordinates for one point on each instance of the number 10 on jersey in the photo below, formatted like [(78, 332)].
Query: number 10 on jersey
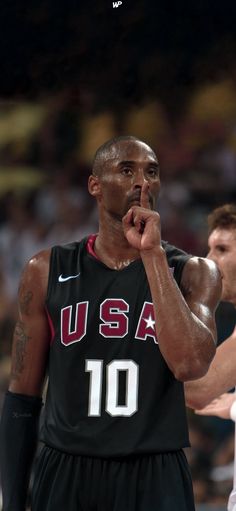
[(95, 368)]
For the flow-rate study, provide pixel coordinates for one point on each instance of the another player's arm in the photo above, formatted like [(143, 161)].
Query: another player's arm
[(220, 378), (223, 406), (22, 405)]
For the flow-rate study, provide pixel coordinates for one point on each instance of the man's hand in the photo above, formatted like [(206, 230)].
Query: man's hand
[(219, 407), (141, 225)]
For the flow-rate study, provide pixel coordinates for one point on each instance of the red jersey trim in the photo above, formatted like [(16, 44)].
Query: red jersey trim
[(90, 245)]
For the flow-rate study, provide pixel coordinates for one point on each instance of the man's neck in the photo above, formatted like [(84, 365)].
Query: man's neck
[(113, 249)]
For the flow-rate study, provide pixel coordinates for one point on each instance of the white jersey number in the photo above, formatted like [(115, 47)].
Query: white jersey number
[(95, 368)]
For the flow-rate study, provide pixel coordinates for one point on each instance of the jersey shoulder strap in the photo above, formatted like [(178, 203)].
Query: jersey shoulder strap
[(65, 262), (177, 259)]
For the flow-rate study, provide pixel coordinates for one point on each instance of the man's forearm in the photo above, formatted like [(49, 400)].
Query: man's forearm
[(185, 342), (220, 378), (18, 440)]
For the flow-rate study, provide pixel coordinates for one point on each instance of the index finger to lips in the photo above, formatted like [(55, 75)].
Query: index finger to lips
[(144, 198)]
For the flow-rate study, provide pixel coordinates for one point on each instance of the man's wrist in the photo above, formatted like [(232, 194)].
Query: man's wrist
[(157, 253)]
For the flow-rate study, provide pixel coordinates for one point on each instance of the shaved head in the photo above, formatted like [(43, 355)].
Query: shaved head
[(108, 151)]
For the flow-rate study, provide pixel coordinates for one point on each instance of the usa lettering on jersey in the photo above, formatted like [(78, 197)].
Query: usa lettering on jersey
[(114, 321)]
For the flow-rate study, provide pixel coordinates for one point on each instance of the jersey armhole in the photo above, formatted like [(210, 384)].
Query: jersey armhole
[(49, 285)]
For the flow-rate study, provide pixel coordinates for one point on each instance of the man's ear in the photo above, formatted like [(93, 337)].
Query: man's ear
[(94, 185)]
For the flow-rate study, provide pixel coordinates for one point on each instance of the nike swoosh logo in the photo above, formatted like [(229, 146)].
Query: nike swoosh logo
[(63, 279)]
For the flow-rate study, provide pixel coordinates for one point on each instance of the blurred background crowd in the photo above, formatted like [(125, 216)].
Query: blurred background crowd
[(73, 78)]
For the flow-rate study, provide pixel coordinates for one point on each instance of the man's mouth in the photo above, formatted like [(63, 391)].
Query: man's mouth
[(136, 199)]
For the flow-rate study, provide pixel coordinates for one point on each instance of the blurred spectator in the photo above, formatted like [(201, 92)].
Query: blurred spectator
[(20, 236)]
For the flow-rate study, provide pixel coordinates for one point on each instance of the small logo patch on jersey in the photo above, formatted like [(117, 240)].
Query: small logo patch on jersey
[(64, 279)]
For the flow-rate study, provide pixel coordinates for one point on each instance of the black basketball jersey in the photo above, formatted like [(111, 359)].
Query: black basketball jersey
[(110, 392)]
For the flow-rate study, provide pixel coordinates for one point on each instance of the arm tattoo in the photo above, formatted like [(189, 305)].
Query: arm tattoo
[(21, 339), (25, 300)]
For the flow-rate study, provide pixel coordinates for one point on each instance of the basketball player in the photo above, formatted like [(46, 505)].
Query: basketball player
[(118, 321), (221, 376)]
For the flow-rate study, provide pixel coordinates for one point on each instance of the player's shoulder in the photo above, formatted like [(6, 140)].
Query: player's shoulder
[(202, 272), (34, 279), (201, 265), (39, 260), (36, 269)]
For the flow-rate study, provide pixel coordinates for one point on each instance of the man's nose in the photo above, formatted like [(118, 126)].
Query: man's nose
[(139, 179), (210, 255)]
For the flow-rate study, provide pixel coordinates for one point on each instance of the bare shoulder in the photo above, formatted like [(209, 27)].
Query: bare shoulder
[(39, 263), (34, 278), (201, 275)]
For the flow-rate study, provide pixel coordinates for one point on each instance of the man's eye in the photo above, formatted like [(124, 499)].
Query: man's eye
[(153, 172), (126, 170)]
